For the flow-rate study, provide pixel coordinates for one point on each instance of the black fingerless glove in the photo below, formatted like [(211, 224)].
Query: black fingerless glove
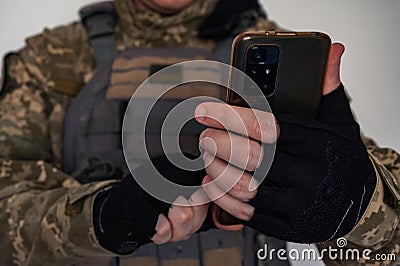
[(125, 216), (321, 179)]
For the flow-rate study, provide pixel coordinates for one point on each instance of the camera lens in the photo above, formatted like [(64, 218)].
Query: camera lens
[(254, 71), (257, 55)]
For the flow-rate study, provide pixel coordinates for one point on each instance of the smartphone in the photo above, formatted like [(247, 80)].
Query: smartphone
[(289, 69)]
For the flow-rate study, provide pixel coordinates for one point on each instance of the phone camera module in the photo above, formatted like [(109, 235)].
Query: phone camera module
[(257, 55), (262, 67)]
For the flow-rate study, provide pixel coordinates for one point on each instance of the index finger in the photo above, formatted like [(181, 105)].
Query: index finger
[(253, 123)]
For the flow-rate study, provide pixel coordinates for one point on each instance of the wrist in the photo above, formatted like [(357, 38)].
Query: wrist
[(117, 228)]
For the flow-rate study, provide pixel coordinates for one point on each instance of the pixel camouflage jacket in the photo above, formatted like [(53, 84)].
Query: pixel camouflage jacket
[(44, 213)]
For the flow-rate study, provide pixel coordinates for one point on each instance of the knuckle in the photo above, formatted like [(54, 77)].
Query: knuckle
[(236, 212), (264, 128), (243, 158), (241, 191), (185, 215), (265, 125), (236, 191), (254, 155), (241, 213), (246, 214), (256, 127), (242, 184)]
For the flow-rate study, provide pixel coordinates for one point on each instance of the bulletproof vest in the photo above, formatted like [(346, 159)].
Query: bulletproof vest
[(92, 149)]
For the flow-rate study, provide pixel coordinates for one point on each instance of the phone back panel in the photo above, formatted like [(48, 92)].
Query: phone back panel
[(300, 68)]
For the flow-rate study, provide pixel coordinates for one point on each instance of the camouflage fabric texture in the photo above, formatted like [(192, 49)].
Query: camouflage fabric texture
[(45, 215), (379, 228)]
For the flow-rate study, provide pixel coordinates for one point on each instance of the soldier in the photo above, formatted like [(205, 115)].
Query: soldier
[(48, 216)]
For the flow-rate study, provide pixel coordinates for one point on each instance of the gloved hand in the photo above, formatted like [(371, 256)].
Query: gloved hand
[(321, 179), (126, 217)]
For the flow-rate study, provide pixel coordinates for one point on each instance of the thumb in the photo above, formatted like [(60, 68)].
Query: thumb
[(163, 230), (332, 77)]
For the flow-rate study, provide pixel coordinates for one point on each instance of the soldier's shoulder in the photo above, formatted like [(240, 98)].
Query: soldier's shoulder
[(60, 55), (58, 40)]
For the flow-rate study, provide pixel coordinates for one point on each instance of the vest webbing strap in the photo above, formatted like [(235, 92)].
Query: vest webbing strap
[(99, 21)]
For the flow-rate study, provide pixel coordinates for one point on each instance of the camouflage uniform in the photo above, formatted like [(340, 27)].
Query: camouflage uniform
[(378, 229), (46, 215)]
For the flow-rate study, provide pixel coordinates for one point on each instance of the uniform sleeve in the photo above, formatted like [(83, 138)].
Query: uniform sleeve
[(45, 215), (377, 233)]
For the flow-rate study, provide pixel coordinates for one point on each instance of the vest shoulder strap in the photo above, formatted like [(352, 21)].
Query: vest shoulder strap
[(99, 21)]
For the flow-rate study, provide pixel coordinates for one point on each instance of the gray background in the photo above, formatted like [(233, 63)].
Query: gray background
[(368, 28)]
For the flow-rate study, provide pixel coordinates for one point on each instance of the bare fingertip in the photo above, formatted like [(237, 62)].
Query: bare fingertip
[(163, 229), (200, 112), (206, 180), (253, 185)]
